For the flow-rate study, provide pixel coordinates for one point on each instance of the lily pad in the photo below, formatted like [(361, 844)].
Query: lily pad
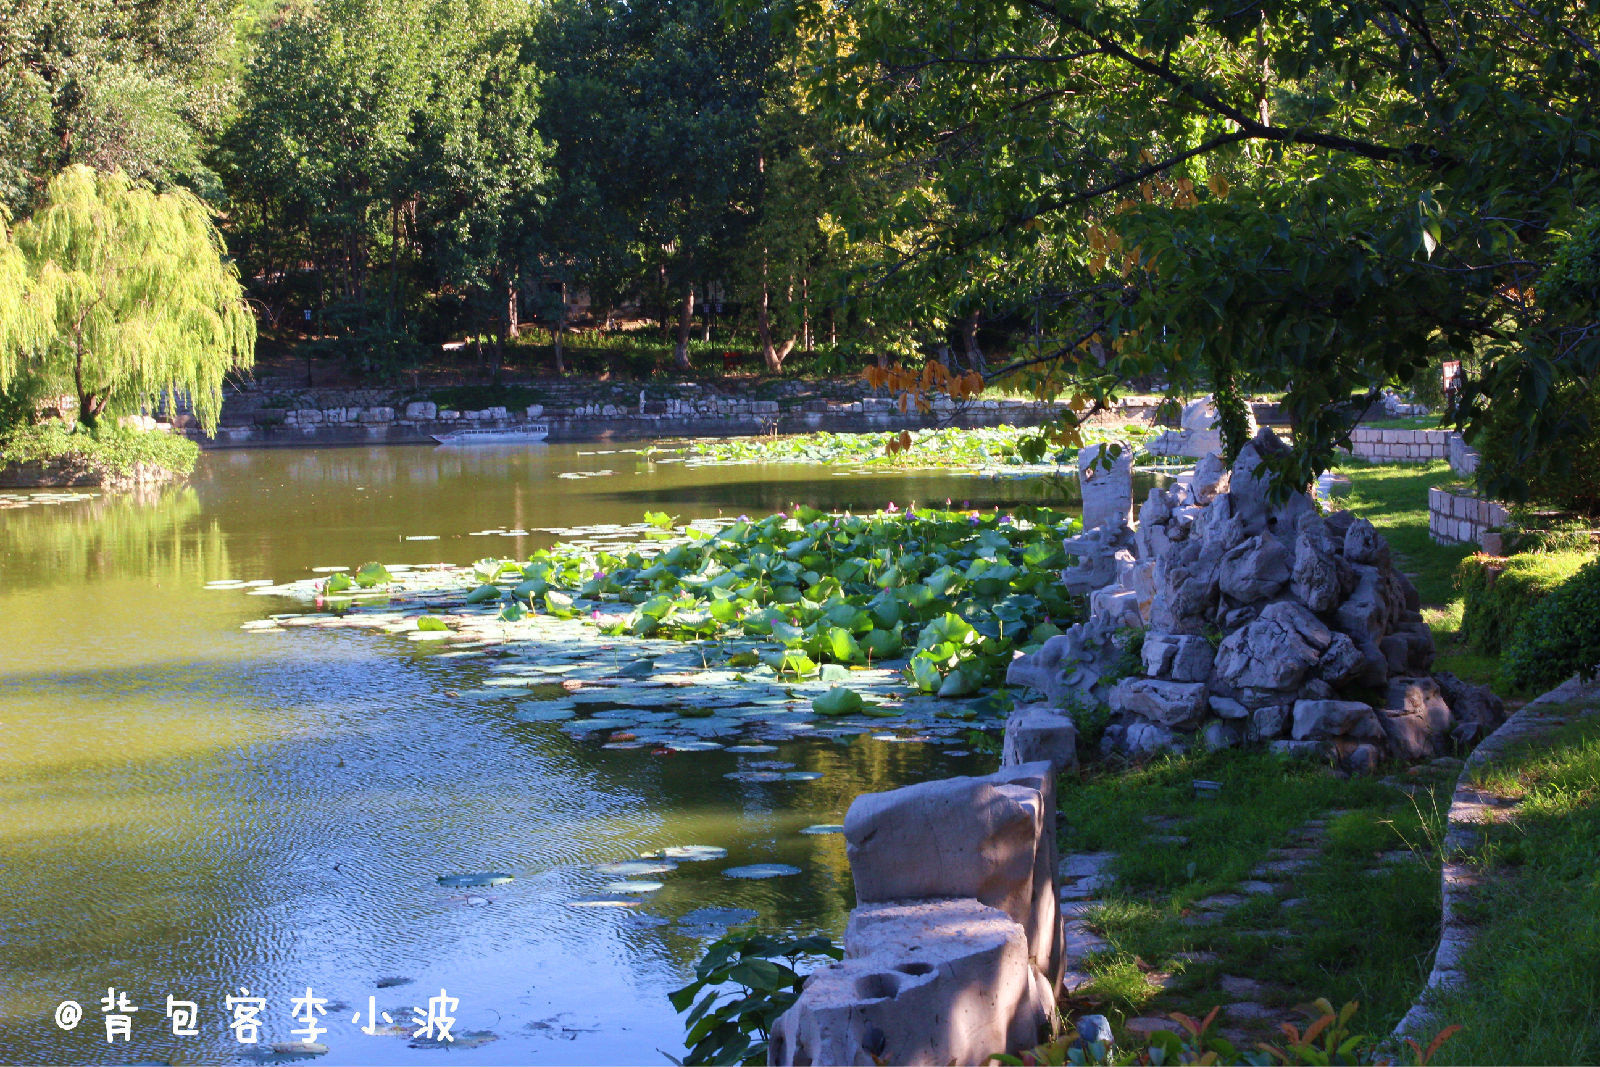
[(761, 870), (465, 1039), (553, 712), (716, 917), (635, 868), (824, 828), (801, 776), (751, 748), (602, 902), (693, 853), (754, 776), (459, 881), (632, 887)]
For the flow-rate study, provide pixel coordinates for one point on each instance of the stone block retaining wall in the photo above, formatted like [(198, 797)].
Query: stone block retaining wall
[(1460, 518), (342, 417), (1400, 446)]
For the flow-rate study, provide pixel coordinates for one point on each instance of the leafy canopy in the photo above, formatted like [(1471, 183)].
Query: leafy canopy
[(1319, 198), (121, 296)]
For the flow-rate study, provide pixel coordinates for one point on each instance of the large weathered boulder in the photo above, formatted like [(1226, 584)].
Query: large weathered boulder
[(923, 982), (990, 838), (1039, 733)]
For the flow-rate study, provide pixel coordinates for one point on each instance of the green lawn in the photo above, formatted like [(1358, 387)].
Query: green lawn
[(1331, 930), (1533, 990), (1394, 498)]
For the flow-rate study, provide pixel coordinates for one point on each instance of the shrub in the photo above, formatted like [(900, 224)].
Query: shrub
[(728, 1026), (1497, 594), (1559, 636), (1564, 476), (109, 449)]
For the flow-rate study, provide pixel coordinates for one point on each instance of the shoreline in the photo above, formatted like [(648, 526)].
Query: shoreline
[(738, 419)]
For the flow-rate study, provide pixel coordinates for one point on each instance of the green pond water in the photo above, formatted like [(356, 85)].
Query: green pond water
[(188, 809)]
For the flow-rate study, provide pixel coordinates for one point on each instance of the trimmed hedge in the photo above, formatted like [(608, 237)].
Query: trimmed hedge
[(1498, 593), (1558, 636)]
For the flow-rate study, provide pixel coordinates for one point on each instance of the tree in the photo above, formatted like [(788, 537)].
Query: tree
[(654, 110), (482, 178), (133, 86), (126, 298), (1321, 198)]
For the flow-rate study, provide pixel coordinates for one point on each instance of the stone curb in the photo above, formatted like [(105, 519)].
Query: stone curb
[(1470, 811)]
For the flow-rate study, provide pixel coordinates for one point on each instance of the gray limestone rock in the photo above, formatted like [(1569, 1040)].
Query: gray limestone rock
[(1476, 709), (1228, 708), (1268, 722), (1254, 570), (1144, 739), (1164, 702), (1362, 544), (1266, 654), (1219, 733), (923, 982), (1038, 732), (1105, 474), (1210, 477), (1342, 662), (1317, 720), (1180, 657)]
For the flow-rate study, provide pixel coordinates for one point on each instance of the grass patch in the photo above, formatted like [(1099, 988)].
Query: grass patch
[(1403, 422), (1533, 991), (109, 449), (1394, 498), (1348, 935), (1492, 609)]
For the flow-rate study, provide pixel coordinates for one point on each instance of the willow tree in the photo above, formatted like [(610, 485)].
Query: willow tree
[(127, 298)]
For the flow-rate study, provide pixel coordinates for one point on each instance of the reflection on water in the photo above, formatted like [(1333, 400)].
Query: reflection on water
[(186, 808)]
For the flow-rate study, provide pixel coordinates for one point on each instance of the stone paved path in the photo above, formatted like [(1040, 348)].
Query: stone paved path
[(1252, 1008)]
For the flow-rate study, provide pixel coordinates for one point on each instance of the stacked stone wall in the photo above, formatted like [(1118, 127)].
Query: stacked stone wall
[(1462, 518), (1400, 446)]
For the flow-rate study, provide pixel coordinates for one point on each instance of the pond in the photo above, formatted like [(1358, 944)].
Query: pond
[(191, 809)]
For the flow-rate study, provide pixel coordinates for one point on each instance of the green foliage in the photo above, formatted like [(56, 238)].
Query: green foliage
[(1558, 636), (1493, 607), (1566, 473), (948, 447), (110, 449), (1326, 1039), (1319, 199), (1537, 912), (731, 1026), (124, 299), (133, 87)]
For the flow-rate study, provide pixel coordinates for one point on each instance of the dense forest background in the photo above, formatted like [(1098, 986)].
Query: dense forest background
[(1318, 200)]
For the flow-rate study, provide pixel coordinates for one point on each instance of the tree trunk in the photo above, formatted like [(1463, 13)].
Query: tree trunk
[(772, 356), (680, 354), (806, 340), (557, 333), (89, 405), (969, 340), (394, 264), (513, 316)]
